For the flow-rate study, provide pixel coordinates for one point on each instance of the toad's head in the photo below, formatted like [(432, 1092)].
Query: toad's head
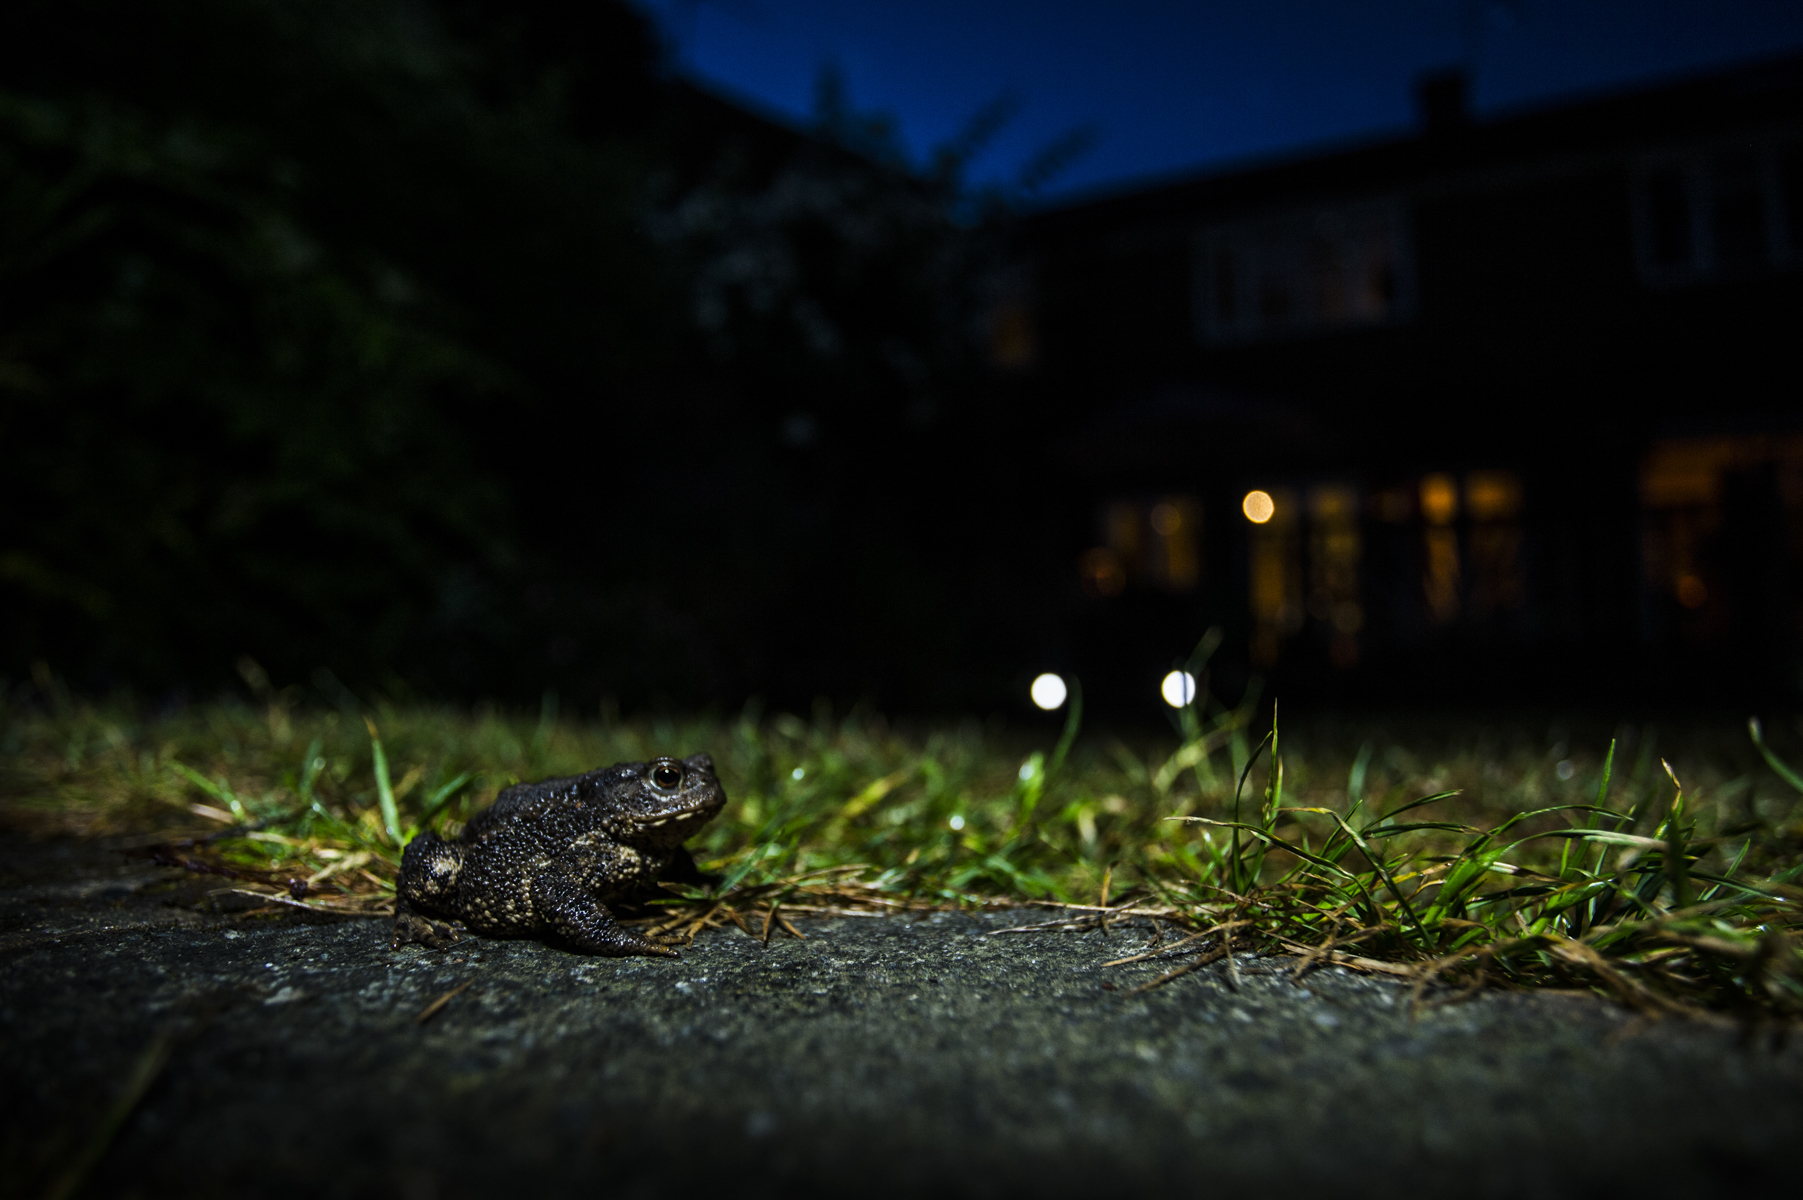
[(665, 801)]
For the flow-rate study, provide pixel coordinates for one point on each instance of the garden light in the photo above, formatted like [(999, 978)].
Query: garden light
[(1258, 507), (1048, 692), (1179, 687)]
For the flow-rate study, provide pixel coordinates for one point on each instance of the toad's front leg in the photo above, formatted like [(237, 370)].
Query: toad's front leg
[(411, 925), (563, 900), (682, 869)]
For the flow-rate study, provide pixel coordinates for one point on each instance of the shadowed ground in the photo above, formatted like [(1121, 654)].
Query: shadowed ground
[(883, 1056)]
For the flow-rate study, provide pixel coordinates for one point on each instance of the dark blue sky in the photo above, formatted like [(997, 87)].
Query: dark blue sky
[(1173, 86)]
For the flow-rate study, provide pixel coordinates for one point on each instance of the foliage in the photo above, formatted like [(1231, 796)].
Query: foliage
[(241, 373), (457, 343), (839, 292), (218, 423), (1453, 853)]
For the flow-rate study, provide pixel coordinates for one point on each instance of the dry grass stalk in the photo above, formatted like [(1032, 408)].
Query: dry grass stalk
[(433, 1009)]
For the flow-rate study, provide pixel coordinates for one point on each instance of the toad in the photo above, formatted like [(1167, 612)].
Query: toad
[(546, 859)]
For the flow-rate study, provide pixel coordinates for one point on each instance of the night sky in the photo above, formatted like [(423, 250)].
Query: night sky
[(1169, 87)]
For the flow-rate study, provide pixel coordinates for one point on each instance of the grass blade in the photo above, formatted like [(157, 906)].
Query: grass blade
[(391, 816), (1781, 768)]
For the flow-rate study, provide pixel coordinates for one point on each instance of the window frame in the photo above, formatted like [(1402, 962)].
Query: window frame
[(1694, 166), (1251, 235)]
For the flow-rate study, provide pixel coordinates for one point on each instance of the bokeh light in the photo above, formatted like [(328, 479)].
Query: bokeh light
[(1258, 507), (1049, 691), (1179, 687)]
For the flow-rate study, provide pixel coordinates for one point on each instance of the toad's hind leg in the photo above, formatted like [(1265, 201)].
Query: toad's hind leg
[(563, 901)]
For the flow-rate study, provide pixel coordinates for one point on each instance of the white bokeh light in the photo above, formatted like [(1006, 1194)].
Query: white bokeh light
[(1178, 688), (1049, 692)]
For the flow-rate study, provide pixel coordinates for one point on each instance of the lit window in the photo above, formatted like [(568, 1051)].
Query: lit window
[(1176, 522), (1493, 500), (1303, 564), (1492, 495), (1121, 529), (1101, 572), (1152, 545), (1393, 506), (1012, 345), (1440, 577), (1275, 578), (1440, 499), (1686, 487), (1013, 340), (1334, 548), (1470, 542)]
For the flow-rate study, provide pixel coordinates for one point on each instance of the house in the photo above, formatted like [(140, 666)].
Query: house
[(1502, 409)]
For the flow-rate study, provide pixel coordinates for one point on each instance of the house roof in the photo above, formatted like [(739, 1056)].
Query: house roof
[(1744, 98)]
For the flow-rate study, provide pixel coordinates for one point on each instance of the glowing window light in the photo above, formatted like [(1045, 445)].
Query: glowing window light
[(1258, 507), (1048, 692), (1439, 499), (1178, 688), (1493, 495), (1102, 572)]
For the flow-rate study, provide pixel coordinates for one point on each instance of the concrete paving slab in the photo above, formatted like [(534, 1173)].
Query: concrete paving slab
[(889, 1056)]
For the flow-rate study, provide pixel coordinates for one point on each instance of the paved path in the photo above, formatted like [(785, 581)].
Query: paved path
[(879, 1056)]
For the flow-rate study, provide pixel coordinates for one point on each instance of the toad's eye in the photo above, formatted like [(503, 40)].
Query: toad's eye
[(666, 775)]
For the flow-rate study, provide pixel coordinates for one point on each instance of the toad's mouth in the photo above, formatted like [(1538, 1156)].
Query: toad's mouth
[(675, 818)]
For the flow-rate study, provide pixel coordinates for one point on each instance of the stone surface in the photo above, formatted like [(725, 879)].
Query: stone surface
[(880, 1056)]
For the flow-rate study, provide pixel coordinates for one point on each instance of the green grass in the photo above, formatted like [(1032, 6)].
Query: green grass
[(1460, 852)]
